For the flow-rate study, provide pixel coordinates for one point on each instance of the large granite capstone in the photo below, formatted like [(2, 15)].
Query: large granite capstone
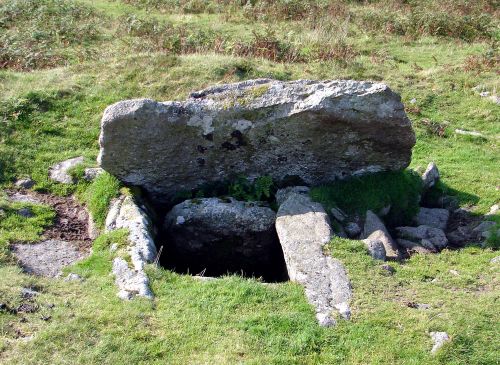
[(301, 131)]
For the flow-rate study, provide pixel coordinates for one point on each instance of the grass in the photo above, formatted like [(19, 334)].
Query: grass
[(98, 196), (94, 53), (399, 190)]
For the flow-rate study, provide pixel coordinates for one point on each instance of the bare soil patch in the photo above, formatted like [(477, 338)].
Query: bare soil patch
[(64, 243)]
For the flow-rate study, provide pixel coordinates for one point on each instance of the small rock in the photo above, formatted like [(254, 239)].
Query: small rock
[(423, 306), (484, 94), (495, 99), (494, 209), (338, 214), (73, 277), (90, 173), (433, 217), (375, 244), (352, 229), (469, 133), (388, 268), (439, 338), (495, 260), (45, 318), (413, 101), (59, 171), (25, 183), (25, 212), (424, 236), (430, 176), (92, 229), (28, 293), (454, 272)]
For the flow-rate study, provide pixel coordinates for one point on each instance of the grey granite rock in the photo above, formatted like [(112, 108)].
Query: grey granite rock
[(425, 236), (303, 229), (430, 176), (59, 171), (374, 224), (215, 234), (433, 217), (308, 131)]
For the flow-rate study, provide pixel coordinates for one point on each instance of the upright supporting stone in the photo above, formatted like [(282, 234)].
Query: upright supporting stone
[(303, 229)]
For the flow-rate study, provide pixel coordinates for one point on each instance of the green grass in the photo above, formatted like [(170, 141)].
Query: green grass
[(16, 228), (399, 190), (163, 50), (98, 196)]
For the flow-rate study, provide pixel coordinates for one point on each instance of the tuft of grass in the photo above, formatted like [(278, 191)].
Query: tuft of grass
[(98, 196), (399, 190)]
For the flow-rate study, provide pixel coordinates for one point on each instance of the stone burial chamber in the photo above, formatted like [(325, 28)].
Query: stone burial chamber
[(300, 133)]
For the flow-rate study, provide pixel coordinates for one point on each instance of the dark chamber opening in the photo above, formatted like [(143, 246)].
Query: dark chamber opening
[(223, 256)]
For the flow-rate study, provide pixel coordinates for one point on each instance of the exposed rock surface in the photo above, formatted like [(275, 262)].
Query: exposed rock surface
[(303, 229), (46, 258), (428, 237), (433, 217), (125, 212), (373, 224), (430, 176), (307, 131), (213, 234), (59, 171)]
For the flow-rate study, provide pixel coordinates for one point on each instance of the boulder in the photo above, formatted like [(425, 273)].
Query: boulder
[(430, 176), (303, 229), (59, 171), (374, 224), (425, 236), (301, 131), (223, 235), (433, 217)]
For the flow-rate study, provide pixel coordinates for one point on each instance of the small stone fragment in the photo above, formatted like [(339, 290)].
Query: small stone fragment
[(430, 176), (494, 209), (28, 293), (391, 270), (439, 338), (73, 277), (469, 133), (454, 272), (25, 183), (90, 173), (59, 171), (375, 245), (495, 260)]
